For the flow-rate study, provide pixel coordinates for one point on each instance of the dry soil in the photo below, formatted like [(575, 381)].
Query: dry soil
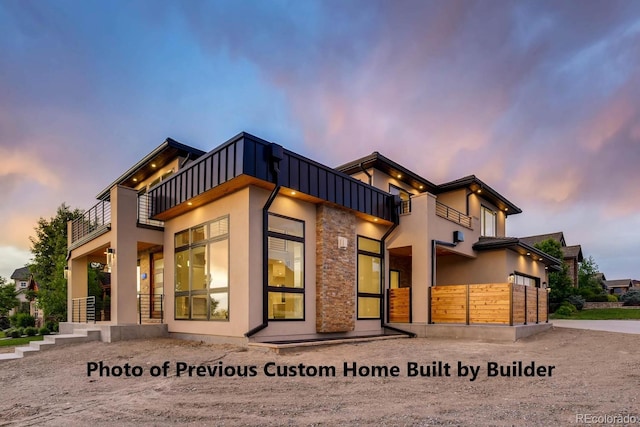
[(595, 373)]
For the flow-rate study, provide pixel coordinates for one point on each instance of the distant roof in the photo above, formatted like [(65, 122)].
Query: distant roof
[(420, 184), (22, 273), (169, 149), (573, 252), (517, 245), (600, 276), (620, 283), (533, 240)]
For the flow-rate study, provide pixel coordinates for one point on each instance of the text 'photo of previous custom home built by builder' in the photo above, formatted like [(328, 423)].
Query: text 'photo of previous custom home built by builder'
[(251, 242)]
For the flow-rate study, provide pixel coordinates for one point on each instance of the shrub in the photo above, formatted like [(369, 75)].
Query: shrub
[(30, 331), (44, 331), (577, 301), (612, 298), (570, 306), (564, 310), (20, 331), (4, 323), (631, 298), (14, 333), (598, 298), (22, 320)]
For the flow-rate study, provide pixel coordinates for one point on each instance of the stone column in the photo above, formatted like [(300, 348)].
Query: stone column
[(335, 270)]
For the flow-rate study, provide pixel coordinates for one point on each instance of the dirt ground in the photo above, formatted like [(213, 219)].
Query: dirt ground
[(596, 373)]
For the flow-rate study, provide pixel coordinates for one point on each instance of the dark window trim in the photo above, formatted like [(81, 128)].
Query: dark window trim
[(535, 279), (189, 293), (367, 294), (284, 289)]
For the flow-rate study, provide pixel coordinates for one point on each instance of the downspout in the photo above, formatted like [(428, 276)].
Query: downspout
[(276, 156), (382, 305), (366, 173)]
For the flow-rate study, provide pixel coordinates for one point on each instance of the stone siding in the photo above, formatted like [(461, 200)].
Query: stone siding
[(335, 270)]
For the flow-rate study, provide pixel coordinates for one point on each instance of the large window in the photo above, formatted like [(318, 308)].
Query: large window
[(369, 278), (285, 268), (488, 224), (202, 272)]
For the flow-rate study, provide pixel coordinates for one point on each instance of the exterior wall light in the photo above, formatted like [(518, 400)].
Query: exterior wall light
[(111, 253), (66, 272)]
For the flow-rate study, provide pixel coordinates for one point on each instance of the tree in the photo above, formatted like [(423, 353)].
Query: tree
[(588, 283), (559, 281), (49, 249), (8, 297)]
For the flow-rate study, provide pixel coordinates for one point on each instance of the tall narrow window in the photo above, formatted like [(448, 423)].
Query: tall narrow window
[(202, 272), (488, 225), (369, 278), (286, 268)]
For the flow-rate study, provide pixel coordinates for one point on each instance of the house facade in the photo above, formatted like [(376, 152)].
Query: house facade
[(252, 241), (572, 255)]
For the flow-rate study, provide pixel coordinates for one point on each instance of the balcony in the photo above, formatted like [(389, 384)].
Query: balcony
[(452, 215), (97, 221), (93, 223)]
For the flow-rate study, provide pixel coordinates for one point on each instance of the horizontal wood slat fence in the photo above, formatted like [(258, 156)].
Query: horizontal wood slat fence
[(493, 303)]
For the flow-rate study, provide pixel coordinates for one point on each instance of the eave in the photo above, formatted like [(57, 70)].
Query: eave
[(160, 156), (517, 245), (483, 190)]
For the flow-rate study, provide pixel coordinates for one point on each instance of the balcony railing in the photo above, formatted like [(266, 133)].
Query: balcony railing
[(453, 215), (93, 222), (83, 310), (144, 212), (150, 308)]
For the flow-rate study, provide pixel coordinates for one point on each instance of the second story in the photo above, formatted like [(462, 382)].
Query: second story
[(159, 165), (467, 205)]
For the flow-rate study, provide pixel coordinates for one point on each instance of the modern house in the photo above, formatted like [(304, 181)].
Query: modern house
[(253, 242), (572, 255)]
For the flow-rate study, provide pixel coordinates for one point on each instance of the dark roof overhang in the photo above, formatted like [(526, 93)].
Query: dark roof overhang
[(248, 160), (378, 161), (517, 245), (479, 187), (161, 156)]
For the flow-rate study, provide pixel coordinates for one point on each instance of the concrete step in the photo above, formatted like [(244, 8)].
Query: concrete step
[(50, 341)]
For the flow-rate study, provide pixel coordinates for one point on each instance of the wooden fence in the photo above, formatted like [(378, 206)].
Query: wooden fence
[(494, 303), (399, 300)]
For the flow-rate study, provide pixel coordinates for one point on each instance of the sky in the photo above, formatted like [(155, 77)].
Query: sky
[(540, 100)]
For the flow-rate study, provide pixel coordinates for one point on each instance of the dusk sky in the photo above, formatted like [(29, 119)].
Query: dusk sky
[(541, 100)]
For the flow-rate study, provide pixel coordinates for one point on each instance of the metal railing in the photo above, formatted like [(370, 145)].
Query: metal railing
[(92, 221), (83, 310), (150, 308), (144, 212), (405, 206), (453, 215)]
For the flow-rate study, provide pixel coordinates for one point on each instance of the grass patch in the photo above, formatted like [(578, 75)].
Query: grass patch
[(602, 314), (20, 341), (2, 334)]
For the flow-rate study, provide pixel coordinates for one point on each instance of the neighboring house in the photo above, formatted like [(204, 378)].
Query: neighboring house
[(21, 278), (572, 255), (24, 282), (618, 287), (254, 241)]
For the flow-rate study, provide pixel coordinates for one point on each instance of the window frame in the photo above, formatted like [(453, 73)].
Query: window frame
[(190, 292), (283, 289), (483, 223), (359, 294), (517, 274)]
